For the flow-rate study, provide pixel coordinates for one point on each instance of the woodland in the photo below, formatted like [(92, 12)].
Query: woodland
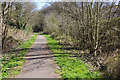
[(88, 30)]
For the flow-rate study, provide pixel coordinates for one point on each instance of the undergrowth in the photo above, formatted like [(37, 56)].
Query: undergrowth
[(70, 66), (12, 62)]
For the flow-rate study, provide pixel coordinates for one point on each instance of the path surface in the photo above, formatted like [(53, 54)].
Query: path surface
[(39, 61)]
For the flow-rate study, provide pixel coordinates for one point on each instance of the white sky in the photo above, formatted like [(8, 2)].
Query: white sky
[(40, 5)]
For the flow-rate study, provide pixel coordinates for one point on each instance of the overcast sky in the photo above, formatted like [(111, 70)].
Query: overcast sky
[(40, 5)]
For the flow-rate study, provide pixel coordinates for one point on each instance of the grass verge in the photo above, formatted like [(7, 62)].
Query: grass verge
[(70, 66), (12, 62)]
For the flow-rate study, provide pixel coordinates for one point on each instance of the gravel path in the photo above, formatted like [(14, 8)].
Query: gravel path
[(39, 61)]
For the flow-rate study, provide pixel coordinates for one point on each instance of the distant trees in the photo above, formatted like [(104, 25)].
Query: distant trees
[(91, 26), (38, 21)]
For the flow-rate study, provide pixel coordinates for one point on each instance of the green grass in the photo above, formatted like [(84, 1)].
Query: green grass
[(12, 62), (70, 67)]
